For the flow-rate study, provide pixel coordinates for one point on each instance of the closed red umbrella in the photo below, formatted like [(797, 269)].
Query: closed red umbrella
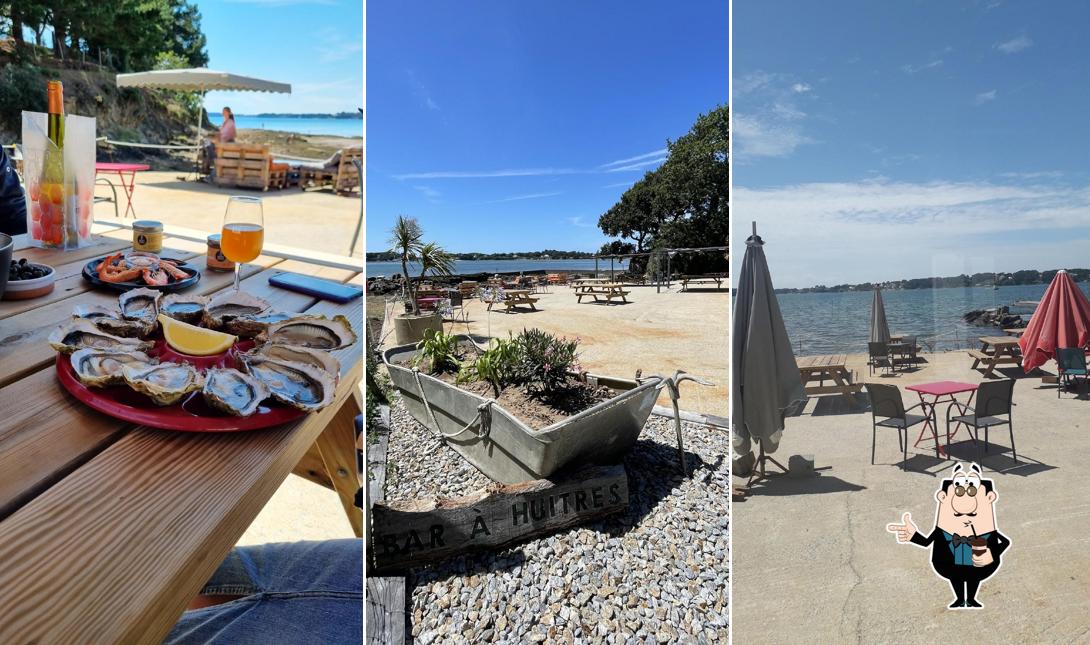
[(1062, 319)]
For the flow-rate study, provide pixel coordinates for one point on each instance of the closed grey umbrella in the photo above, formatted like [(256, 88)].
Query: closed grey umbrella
[(765, 379), (879, 328)]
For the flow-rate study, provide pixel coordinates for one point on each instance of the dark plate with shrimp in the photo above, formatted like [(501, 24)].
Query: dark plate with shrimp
[(122, 273)]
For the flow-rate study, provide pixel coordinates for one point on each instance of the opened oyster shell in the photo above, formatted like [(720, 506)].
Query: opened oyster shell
[(188, 308), (101, 367), (230, 305), (316, 357), (299, 385), (81, 332), (165, 383), (233, 392), (317, 332), (111, 322), (250, 326), (139, 304)]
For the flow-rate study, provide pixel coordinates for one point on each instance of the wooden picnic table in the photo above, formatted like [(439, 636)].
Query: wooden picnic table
[(578, 282), (1017, 333), (699, 278), (603, 290), (515, 298), (108, 530), (996, 351), (829, 367)]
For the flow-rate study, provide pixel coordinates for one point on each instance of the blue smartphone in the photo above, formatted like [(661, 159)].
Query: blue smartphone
[(317, 287)]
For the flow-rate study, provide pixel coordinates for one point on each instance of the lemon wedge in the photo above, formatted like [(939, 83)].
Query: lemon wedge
[(195, 341)]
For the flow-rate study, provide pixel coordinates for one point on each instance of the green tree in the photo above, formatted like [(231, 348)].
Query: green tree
[(684, 202), (406, 240)]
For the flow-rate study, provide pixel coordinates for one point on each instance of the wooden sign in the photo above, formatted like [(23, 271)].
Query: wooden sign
[(410, 533)]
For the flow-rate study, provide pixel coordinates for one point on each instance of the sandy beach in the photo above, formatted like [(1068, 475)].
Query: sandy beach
[(657, 333), (316, 220), (859, 584)]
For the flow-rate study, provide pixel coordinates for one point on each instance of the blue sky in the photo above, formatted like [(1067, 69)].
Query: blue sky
[(880, 140), (315, 45), (511, 126)]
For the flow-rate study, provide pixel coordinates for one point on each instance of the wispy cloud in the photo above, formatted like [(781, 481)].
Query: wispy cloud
[(618, 184), (984, 97), (473, 174), (950, 220), (1036, 174), (331, 46), (621, 162), (421, 91), (429, 193), (913, 69), (578, 221), (1015, 45), (638, 165), (775, 124), (764, 137), (522, 197)]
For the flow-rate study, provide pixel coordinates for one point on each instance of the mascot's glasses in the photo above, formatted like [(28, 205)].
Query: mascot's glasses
[(961, 490)]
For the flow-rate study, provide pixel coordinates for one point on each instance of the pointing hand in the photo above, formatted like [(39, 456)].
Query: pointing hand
[(905, 530)]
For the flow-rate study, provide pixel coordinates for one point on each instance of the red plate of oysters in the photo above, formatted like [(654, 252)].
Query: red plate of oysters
[(278, 370)]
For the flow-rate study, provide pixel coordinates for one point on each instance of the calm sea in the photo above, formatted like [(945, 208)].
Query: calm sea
[(301, 125), (831, 323), (498, 266)]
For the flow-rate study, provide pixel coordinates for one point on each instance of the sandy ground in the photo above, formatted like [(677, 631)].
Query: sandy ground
[(813, 561), (656, 332), (316, 220), (299, 510)]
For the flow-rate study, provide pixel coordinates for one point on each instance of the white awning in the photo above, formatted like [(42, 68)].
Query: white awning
[(199, 80)]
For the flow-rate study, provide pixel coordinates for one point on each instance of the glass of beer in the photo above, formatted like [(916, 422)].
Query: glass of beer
[(243, 232)]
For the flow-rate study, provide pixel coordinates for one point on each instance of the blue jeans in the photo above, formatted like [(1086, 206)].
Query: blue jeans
[(298, 592)]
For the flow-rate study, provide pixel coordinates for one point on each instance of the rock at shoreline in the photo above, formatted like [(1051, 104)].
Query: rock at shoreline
[(998, 317)]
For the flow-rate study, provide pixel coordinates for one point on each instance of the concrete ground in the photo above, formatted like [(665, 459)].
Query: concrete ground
[(316, 220), (813, 561), (656, 332)]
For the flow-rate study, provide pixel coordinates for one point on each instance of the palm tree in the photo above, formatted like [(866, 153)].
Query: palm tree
[(433, 258), (405, 240)]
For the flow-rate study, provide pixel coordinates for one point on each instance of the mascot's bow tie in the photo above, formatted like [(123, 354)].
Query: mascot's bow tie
[(958, 540)]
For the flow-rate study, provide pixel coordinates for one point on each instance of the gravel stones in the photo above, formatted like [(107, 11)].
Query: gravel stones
[(657, 571)]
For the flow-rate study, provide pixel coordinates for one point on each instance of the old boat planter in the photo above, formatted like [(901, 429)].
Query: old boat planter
[(506, 449)]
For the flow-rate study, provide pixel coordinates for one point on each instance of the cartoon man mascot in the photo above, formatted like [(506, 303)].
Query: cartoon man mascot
[(965, 545)]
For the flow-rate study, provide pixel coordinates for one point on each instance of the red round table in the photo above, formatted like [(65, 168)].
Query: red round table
[(123, 170)]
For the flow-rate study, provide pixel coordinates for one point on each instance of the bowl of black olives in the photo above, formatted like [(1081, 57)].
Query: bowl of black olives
[(28, 280)]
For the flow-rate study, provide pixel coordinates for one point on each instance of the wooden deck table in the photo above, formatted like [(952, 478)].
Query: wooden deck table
[(602, 291), (108, 530), (996, 351), (830, 367)]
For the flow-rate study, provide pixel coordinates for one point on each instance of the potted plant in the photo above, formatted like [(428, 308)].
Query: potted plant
[(406, 239), (519, 408)]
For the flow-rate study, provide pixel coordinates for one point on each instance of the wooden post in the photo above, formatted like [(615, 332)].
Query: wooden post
[(415, 532)]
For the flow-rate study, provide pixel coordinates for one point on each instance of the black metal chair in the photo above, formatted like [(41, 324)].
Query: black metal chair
[(886, 401), (878, 356), (993, 401), (909, 349)]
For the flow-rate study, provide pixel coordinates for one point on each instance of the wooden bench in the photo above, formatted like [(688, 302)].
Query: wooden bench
[(248, 166), (608, 294), (979, 355), (342, 177)]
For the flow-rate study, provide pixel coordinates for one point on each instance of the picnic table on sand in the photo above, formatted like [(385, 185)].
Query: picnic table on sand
[(515, 298), (995, 351), (830, 367), (604, 290), (703, 278), (108, 530)]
